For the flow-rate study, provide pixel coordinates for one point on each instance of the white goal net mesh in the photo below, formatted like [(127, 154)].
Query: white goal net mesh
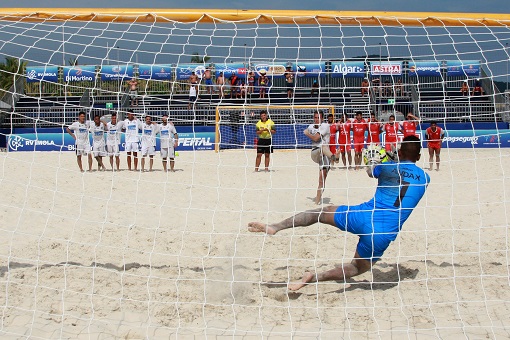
[(127, 254)]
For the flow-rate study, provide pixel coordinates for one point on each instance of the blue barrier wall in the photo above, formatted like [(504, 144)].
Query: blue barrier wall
[(458, 135)]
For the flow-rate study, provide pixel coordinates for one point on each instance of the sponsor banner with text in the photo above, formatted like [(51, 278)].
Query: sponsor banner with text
[(386, 68), (116, 72), (468, 68), (309, 69), (228, 69), (353, 69), (272, 70), (79, 73), (188, 141), (425, 68), (42, 73), (157, 72), (183, 71)]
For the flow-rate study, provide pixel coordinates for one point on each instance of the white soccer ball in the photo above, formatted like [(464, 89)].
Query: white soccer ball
[(374, 154)]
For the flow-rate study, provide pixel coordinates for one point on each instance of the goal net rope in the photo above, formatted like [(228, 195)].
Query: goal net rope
[(128, 254)]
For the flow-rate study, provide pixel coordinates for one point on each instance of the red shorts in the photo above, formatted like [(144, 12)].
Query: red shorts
[(332, 148), (358, 146), (345, 147), (435, 146)]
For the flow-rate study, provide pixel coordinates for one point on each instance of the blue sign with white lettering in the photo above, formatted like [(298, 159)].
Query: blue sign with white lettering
[(79, 73), (229, 69), (425, 68), (309, 69), (354, 69), (183, 71), (55, 141), (116, 72), (42, 73), (468, 68), (157, 72)]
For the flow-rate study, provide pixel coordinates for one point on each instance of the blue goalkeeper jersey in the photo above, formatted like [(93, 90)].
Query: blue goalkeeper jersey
[(399, 189)]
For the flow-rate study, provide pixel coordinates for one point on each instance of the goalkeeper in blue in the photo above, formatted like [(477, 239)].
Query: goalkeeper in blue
[(400, 187)]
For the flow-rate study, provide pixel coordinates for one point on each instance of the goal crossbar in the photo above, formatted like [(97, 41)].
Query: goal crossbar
[(301, 17)]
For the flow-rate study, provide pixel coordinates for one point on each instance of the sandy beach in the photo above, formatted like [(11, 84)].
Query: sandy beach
[(167, 255)]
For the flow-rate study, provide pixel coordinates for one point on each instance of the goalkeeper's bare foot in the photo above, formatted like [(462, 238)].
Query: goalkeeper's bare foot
[(257, 227), (307, 278)]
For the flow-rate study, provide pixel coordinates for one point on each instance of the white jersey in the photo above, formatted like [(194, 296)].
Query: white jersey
[(149, 133), (81, 131), (323, 129), (167, 133), (132, 127), (113, 136), (192, 91), (98, 133)]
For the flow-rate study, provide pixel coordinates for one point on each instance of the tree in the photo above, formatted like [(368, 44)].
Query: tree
[(72, 61), (10, 70), (196, 58)]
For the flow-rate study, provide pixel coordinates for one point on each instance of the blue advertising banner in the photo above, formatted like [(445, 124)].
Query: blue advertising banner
[(425, 68), (468, 68), (116, 72), (42, 73), (476, 138), (354, 69), (309, 69), (229, 69), (183, 71), (157, 72), (188, 141), (79, 73)]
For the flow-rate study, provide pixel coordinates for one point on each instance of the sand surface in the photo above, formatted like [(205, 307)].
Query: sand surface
[(165, 255)]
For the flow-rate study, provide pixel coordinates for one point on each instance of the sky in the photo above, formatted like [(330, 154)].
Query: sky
[(477, 6)]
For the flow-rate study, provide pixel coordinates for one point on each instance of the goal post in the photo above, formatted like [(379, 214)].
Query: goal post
[(235, 124)]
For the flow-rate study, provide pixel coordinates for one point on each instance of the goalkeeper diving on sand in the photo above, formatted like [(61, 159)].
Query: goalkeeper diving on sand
[(400, 187)]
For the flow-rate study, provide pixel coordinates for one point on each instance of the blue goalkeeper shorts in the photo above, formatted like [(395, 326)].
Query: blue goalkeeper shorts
[(359, 220)]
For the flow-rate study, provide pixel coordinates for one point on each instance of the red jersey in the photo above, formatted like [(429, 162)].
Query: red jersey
[(391, 132), (409, 128), (345, 133), (333, 128), (374, 129), (434, 137), (358, 130)]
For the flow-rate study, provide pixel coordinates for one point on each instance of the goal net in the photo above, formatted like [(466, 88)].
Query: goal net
[(235, 125), (132, 254)]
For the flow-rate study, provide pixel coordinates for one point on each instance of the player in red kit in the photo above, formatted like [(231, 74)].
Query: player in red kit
[(391, 129), (434, 135), (344, 139), (333, 128), (374, 130), (359, 126), (410, 125)]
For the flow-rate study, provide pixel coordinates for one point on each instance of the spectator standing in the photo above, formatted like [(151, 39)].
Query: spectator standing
[(133, 92), (290, 81)]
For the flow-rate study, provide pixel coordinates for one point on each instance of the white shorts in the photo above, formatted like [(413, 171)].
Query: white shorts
[(99, 150), (113, 150), (82, 149), (132, 147), (167, 152), (148, 150)]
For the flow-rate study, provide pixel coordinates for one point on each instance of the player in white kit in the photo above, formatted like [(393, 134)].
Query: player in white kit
[(149, 132), (81, 137), (169, 141), (98, 130), (131, 125), (113, 140)]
